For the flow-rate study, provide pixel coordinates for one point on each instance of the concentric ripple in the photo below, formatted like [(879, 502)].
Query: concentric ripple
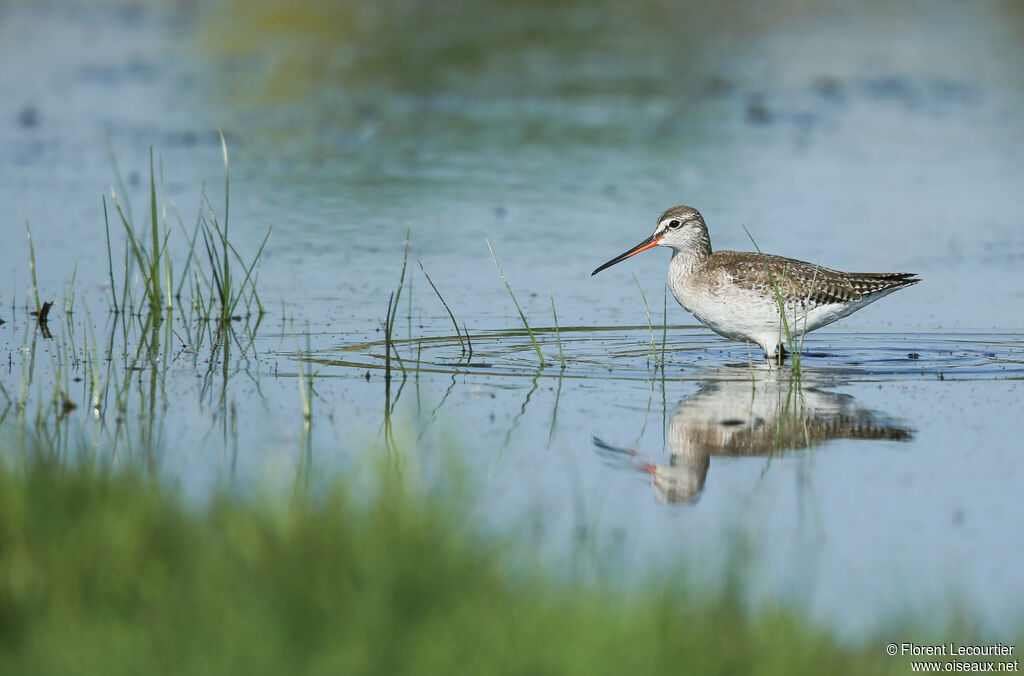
[(691, 352)]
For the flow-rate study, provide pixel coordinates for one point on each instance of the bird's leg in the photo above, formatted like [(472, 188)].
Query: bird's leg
[(777, 356)]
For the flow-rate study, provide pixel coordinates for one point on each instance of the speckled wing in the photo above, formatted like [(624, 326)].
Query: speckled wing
[(802, 281)]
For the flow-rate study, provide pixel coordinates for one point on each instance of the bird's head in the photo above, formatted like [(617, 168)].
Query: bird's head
[(680, 228)]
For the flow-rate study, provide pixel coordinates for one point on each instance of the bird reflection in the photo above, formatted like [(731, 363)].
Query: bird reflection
[(735, 418)]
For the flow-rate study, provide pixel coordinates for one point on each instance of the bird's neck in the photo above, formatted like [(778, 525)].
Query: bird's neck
[(693, 256)]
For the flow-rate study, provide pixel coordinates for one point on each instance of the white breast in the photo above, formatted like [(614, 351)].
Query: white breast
[(739, 313)]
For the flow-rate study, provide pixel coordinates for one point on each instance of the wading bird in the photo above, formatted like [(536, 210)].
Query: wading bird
[(742, 295)]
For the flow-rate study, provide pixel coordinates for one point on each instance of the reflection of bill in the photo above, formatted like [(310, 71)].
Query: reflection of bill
[(734, 418)]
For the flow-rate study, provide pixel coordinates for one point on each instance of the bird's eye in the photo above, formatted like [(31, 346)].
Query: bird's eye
[(673, 224)]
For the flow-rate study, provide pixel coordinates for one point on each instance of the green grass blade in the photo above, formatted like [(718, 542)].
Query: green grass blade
[(141, 256), (155, 296), (393, 311), (226, 270), (32, 266), (217, 282), (558, 334), (447, 309), (110, 256), (664, 326), (778, 298), (122, 187), (248, 274), (191, 248), (650, 324), (522, 315)]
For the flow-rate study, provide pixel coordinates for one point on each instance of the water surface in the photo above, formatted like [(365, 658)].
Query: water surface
[(862, 138)]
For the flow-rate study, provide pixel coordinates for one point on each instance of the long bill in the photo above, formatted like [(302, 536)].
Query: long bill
[(651, 241)]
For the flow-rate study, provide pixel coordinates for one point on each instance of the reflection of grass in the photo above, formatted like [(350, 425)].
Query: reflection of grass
[(111, 574)]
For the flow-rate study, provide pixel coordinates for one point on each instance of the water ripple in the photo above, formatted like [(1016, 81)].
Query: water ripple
[(694, 353)]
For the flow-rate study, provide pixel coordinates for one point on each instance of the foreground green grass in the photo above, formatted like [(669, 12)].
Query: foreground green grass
[(113, 575)]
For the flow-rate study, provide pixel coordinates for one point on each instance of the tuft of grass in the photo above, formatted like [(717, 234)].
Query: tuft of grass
[(514, 301), (311, 584), (217, 292), (122, 378), (150, 260), (221, 255)]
